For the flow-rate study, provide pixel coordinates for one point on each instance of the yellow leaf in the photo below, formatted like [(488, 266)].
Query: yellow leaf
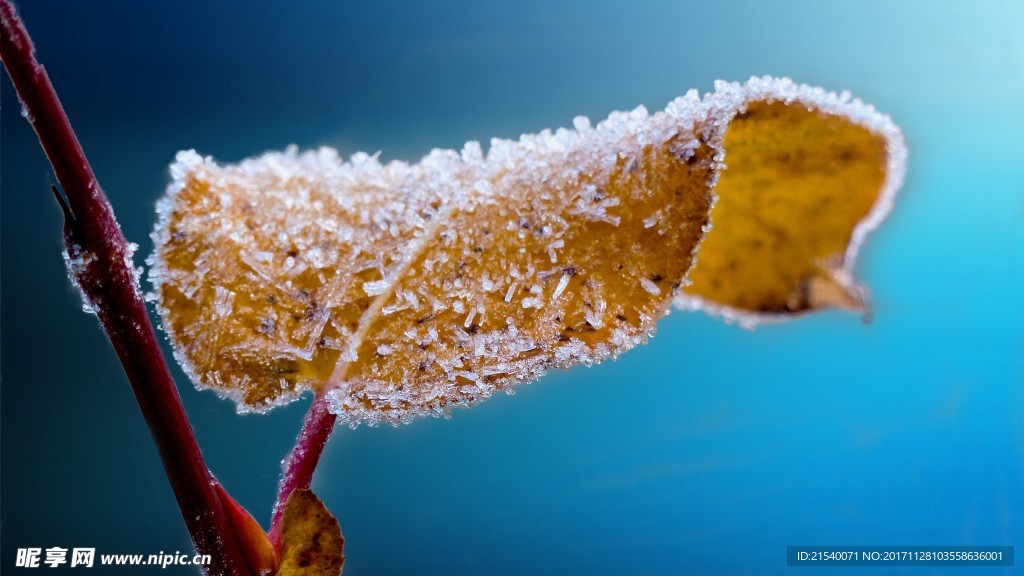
[(807, 177), (408, 289), (311, 540), (399, 290)]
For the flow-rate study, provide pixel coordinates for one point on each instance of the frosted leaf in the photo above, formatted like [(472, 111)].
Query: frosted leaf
[(403, 290)]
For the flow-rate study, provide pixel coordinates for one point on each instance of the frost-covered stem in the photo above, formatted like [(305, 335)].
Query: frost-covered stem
[(101, 264), (299, 465)]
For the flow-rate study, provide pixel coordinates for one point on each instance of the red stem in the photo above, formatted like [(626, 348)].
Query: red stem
[(105, 275), (299, 465)]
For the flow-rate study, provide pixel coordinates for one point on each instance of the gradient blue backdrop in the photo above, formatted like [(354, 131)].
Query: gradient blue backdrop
[(707, 451)]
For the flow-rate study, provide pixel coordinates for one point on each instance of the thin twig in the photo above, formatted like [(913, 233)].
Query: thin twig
[(100, 262), (298, 467)]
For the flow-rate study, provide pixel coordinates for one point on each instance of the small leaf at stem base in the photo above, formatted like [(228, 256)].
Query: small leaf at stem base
[(259, 552), (311, 540)]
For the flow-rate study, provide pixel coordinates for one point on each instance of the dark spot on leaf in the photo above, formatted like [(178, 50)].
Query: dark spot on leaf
[(267, 326)]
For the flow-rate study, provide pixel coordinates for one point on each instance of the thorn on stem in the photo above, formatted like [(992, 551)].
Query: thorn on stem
[(69, 216)]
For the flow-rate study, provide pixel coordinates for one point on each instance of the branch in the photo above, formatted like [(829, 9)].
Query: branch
[(299, 465), (99, 260)]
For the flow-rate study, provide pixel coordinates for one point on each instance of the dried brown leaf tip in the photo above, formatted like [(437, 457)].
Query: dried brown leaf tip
[(400, 290), (311, 541)]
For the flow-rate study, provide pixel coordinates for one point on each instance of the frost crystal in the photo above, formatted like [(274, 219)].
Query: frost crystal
[(650, 286), (76, 266), (375, 288)]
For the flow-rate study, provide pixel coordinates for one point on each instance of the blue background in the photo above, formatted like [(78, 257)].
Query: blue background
[(707, 451)]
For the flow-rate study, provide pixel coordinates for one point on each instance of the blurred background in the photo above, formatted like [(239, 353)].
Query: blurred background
[(707, 451)]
